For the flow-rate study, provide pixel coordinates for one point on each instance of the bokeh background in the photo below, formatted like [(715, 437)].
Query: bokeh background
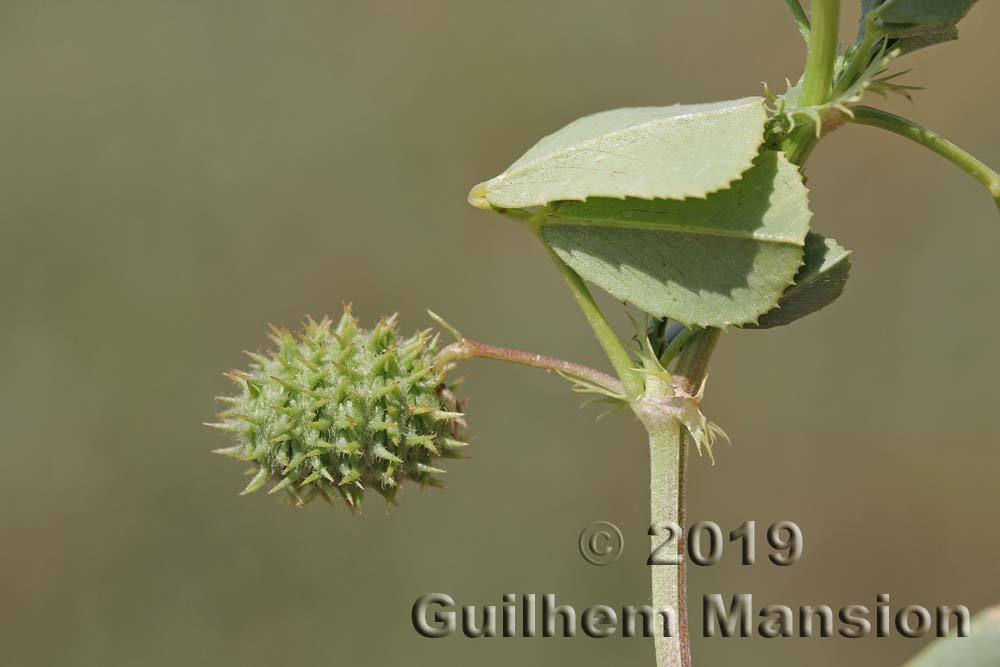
[(175, 175)]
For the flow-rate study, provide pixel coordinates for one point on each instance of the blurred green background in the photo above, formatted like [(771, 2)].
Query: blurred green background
[(175, 175)]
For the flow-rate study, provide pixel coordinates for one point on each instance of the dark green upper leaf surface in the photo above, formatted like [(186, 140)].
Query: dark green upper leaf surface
[(818, 283), (924, 12), (916, 24), (980, 649), (649, 152), (719, 261)]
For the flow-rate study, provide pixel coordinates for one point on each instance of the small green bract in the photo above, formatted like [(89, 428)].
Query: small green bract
[(338, 410)]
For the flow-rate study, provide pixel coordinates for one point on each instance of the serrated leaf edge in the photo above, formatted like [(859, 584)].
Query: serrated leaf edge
[(479, 195), (792, 289), (790, 281)]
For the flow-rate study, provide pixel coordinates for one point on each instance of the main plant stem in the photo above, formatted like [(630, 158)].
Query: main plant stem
[(666, 502), (668, 438), (817, 86), (822, 52), (648, 394), (669, 443)]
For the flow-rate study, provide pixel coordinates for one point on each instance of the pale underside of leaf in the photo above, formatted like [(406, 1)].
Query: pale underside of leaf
[(818, 283), (675, 152), (720, 261)]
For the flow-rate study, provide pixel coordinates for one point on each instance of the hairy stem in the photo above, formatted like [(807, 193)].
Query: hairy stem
[(818, 84), (822, 52), (606, 336), (800, 18), (470, 349), (668, 450), (921, 135), (692, 362), (666, 503), (668, 438)]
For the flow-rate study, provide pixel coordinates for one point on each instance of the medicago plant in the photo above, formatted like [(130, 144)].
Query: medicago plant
[(695, 215)]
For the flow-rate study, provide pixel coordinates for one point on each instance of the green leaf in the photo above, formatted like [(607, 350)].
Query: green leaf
[(929, 36), (649, 152), (980, 649), (719, 261), (924, 12), (912, 25), (818, 283)]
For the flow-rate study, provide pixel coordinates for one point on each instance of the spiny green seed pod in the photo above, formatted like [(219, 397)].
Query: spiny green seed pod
[(338, 410)]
